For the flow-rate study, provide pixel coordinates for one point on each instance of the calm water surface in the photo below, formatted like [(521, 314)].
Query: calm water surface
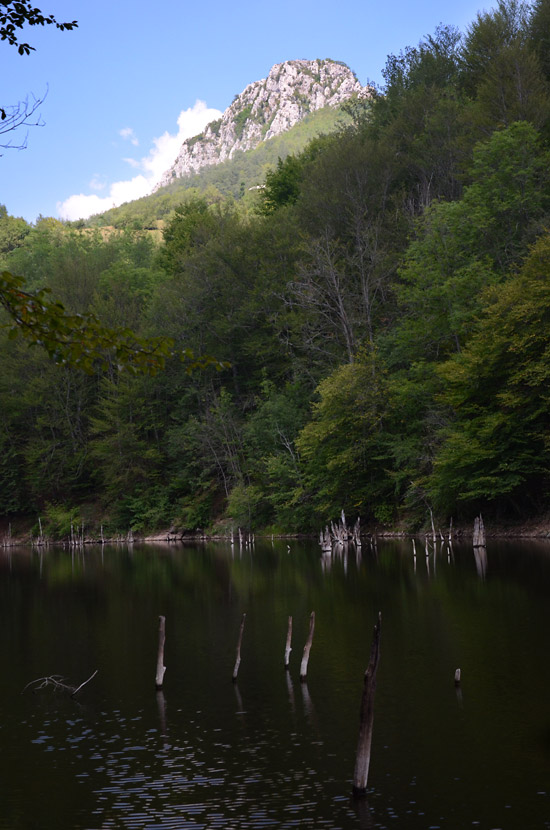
[(271, 752)]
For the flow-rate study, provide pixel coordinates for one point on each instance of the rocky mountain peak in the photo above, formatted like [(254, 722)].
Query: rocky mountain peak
[(267, 108)]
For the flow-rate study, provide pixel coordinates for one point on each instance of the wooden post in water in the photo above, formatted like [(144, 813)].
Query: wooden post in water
[(307, 647), (288, 648), (362, 763), (238, 658), (161, 668)]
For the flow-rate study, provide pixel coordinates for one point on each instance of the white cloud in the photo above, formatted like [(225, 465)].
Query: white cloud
[(162, 155), (80, 206), (128, 134), (98, 183)]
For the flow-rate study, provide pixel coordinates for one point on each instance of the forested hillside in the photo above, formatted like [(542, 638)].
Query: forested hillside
[(384, 306), (238, 178)]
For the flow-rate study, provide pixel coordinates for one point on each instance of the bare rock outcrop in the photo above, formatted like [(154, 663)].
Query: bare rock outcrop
[(265, 109)]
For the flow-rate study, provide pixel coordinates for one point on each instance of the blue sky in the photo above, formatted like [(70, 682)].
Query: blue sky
[(135, 78)]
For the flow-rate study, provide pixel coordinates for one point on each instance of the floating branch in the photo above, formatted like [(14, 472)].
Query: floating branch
[(307, 647), (161, 668), (83, 684), (362, 763), (239, 643), (57, 683)]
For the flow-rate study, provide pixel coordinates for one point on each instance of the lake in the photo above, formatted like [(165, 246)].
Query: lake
[(270, 751)]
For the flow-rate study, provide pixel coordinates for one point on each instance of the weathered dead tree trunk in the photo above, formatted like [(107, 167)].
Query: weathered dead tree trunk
[(288, 647), (356, 533), (307, 647), (239, 643), (340, 534), (7, 540), (434, 537), (161, 668), (325, 540), (343, 523), (362, 763), (479, 533), (40, 541)]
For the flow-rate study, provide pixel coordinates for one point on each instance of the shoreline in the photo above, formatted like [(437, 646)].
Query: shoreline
[(539, 530)]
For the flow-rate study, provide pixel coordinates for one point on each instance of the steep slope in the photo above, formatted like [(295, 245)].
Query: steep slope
[(265, 109), (237, 178)]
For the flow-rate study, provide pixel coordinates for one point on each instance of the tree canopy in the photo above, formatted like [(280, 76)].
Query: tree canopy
[(378, 310)]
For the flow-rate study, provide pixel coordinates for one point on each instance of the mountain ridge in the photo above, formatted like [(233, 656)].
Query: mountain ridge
[(265, 109)]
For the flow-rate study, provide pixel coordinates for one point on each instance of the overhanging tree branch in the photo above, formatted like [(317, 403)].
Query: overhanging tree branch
[(80, 340), (14, 16), (23, 114), (20, 13)]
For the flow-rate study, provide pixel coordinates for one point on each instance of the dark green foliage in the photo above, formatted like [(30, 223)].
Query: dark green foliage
[(282, 185), (20, 13), (344, 446), (381, 309), (539, 33), (12, 231), (497, 444)]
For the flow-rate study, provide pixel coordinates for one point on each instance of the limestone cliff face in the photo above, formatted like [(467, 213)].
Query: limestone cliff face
[(265, 109)]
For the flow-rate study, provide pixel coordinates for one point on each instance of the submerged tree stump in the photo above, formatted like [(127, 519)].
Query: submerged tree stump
[(288, 647), (239, 643), (307, 647), (479, 533), (161, 668), (362, 763)]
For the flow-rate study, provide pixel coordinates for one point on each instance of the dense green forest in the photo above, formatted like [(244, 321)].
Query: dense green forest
[(383, 305)]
